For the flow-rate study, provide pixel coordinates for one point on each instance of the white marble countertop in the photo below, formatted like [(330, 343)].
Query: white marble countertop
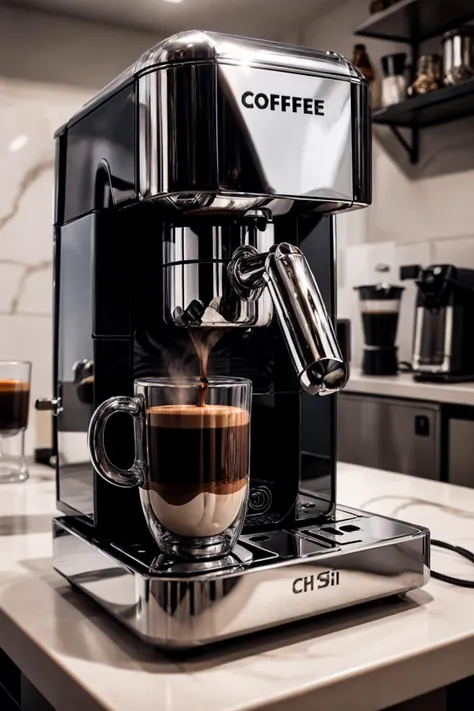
[(403, 386), (365, 658)]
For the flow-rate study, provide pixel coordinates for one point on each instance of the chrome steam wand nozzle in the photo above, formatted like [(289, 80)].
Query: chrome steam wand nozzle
[(304, 321)]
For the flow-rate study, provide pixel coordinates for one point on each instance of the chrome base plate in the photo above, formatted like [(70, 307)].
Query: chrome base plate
[(270, 579)]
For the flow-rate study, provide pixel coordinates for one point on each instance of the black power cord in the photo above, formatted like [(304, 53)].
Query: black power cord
[(460, 551)]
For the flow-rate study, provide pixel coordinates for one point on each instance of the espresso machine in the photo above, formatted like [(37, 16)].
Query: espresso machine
[(197, 190), (443, 343)]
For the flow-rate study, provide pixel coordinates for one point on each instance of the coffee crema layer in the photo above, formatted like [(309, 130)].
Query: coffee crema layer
[(10, 386), (14, 405), (196, 417)]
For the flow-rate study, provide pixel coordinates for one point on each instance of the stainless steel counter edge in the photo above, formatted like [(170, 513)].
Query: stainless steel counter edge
[(403, 386)]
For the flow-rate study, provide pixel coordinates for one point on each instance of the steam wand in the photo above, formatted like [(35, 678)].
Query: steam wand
[(304, 321)]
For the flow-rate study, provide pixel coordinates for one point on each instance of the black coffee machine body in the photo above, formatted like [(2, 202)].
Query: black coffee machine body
[(211, 163), (443, 343)]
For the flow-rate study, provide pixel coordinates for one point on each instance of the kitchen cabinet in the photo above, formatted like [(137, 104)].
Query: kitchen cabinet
[(387, 433), (423, 438), (17, 693), (461, 451)]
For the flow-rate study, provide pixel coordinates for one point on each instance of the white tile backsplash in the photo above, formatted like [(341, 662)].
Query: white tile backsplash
[(29, 115)]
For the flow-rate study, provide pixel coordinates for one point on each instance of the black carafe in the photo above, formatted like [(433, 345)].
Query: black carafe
[(380, 307)]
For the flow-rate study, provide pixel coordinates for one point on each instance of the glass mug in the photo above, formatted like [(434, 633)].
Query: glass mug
[(191, 463), (15, 379)]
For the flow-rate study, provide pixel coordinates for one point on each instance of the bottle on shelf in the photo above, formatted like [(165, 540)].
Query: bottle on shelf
[(379, 5), (362, 61), (376, 6)]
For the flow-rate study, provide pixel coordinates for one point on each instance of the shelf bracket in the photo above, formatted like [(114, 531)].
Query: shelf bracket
[(414, 148)]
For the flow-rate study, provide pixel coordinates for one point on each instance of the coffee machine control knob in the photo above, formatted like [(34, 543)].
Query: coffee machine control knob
[(51, 404)]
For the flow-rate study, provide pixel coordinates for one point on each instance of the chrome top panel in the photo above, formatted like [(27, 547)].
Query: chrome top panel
[(222, 125), (197, 45), (202, 46), (227, 139)]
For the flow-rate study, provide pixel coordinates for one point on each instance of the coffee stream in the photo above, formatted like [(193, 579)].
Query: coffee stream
[(204, 340)]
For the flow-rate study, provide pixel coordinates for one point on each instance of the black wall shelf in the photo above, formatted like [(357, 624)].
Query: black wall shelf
[(442, 106), (411, 21), (438, 107)]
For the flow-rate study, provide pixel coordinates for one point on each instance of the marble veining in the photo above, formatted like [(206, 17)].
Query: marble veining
[(27, 270), (28, 179), (29, 115), (408, 502)]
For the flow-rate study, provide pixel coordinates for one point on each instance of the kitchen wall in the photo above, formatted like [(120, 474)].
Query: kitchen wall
[(41, 47), (29, 115), (421, 214), (49, 67)]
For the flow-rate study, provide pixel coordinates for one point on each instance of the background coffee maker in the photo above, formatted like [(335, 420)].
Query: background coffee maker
[(179, 188), (443, 341), (380, 306)]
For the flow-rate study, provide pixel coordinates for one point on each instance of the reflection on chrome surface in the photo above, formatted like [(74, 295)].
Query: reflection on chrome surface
[(301, 573)]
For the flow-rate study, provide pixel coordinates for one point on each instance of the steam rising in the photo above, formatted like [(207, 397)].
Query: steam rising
[(181, 364)]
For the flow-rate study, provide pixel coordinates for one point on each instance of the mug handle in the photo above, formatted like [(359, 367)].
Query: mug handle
[(126, 478)]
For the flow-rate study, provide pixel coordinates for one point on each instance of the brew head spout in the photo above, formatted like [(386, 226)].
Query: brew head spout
[(236, 277)]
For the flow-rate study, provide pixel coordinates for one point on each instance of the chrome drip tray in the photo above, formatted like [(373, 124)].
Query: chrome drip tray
[(271, 578), (159, 565), (251, 552)]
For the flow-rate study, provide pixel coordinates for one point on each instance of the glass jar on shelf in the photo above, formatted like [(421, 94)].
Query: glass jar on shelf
[(428, 75)]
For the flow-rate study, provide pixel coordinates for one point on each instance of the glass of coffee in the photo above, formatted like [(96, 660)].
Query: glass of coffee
[(192, 460), (15, 378)]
